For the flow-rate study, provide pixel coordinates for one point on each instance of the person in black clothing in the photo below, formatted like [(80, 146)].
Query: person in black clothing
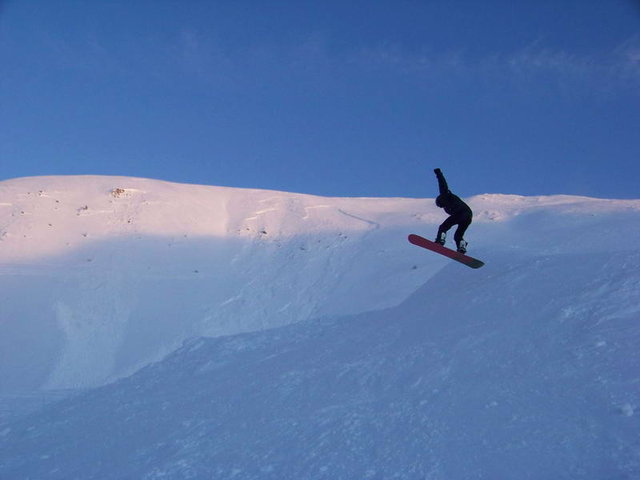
[(459, 214)]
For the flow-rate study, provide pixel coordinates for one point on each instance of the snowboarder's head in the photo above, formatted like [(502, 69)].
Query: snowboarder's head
[(440, 201)]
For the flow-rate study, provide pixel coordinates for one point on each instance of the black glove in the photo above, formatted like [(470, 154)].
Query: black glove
[(437, 171)]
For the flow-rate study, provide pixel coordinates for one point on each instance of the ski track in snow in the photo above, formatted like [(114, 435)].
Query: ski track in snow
[(260, 335)]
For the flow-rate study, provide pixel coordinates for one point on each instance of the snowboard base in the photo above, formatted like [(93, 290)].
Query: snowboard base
[(447, 252)]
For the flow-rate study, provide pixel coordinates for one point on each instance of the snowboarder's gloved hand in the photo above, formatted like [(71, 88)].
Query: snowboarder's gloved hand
[(437, 171)]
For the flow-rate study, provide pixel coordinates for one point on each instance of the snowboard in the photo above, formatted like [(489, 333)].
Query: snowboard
[(447, 252)]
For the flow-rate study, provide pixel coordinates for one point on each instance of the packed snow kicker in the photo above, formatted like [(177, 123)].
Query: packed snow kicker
[(158, 330)]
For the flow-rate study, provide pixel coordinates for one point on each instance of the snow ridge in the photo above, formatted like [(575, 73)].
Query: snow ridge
[(100, 268)]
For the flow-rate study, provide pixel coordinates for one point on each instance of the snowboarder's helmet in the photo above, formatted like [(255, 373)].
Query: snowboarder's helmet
[(440, 201)]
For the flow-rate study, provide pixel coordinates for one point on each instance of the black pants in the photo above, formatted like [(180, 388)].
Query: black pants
[(462, 219)]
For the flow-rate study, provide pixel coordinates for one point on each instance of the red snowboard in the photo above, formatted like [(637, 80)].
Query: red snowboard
[(447, 252)]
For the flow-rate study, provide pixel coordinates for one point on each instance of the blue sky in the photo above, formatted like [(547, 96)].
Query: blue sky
[(339, 98)]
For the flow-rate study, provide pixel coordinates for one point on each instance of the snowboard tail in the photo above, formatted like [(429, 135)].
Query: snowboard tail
[(447, 252)]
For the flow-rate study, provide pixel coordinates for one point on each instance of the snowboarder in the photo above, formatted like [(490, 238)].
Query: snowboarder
[(459, 214)]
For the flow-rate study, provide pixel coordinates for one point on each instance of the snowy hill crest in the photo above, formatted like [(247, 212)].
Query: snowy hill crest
[(101, 275)]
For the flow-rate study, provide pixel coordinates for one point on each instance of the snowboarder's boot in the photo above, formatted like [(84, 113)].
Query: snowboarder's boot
[(441, 238), (462, 246)]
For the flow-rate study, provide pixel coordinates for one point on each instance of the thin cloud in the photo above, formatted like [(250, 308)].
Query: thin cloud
[(605, 71)]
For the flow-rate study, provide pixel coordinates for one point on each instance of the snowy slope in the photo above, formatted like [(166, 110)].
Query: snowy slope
[(528, 369), (101, 275), (362, 357)]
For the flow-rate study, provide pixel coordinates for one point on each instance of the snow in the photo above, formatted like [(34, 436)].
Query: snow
[(214, 332), (102, 266)]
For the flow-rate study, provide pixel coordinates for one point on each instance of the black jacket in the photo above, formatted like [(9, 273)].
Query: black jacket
[(451, 203)]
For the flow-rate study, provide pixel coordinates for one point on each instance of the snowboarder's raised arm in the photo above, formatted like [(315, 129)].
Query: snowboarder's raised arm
[(442, 183)]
